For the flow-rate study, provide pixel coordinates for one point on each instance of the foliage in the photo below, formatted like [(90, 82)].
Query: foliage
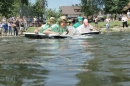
[(91, 7), (53, 13), (6, 7), (115, 6), (10, 8), (38, 9), (22, 3)]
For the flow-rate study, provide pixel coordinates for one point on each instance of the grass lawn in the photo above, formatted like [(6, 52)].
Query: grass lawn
[(100, 25), (31, 29)]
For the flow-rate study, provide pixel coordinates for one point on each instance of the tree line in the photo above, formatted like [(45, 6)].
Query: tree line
[(21, 8), (91, 7)]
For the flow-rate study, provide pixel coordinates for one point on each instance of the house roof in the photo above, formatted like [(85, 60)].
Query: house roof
[(70, 10), (126, 7)]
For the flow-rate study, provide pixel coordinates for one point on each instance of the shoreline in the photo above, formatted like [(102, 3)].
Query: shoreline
[(115, 29)]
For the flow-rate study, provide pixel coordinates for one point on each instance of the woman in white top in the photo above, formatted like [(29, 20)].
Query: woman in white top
[(124, 21)]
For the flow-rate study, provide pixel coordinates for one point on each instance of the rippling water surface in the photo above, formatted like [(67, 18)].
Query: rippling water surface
[(98, 60)]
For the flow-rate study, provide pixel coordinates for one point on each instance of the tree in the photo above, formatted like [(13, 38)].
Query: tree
[(39, 7), (91, 7), (53, 13), (21, 3), (114, 6), (5, 7)]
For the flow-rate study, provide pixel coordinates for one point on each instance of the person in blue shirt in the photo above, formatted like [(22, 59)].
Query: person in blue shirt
[(5, 29)]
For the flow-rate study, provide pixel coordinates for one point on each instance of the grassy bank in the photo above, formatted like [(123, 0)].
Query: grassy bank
[(114, 26)]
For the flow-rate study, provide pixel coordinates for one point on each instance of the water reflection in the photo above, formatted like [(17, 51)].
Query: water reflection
[(111, 64), (42, 62), (101, 60), (22, 75)]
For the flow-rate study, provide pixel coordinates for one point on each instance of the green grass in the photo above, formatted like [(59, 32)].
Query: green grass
[(31, 29), (112, 24)]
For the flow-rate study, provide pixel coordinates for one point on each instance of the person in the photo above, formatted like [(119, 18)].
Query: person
[(107, 20), (70, 28), (49, 23), (5, 28), (10, 28), (78, 22), (80, 19), (96, 22), (21, 27), (124, 21), (85, 27), (1, 28), (59, 28), (128, 14), (35, 21), (14, 25)]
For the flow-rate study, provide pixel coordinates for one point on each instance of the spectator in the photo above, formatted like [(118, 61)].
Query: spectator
[(107, 20), (128, 14), (124, 21), (9, 28), (96, 22), (5, 29)]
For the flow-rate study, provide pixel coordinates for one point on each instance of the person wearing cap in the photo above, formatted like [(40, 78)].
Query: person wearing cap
[(59, 28), (50, 22), (79, 21), (85, 27)]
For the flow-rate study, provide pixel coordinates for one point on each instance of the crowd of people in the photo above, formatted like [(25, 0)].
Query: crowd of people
[(15, 26)]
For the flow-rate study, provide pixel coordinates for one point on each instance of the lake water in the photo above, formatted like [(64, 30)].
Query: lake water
[(98, 60)]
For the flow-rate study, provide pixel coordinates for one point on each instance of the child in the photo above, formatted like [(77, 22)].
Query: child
[(107, 23)]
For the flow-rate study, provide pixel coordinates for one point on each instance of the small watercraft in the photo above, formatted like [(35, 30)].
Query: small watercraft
[(44, 36)]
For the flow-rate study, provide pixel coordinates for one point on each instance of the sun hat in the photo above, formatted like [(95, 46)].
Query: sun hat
[(63, 18), (53, 18), (86, 22)]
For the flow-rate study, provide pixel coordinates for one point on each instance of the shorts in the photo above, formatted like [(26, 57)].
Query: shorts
[(107, 26), (96, 22), (21, 28)]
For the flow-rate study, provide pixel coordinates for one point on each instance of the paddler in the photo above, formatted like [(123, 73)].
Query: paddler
[(49, 23), (59, 28)]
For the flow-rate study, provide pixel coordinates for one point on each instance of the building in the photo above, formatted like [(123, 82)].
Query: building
[(126, 8), (71, 11)]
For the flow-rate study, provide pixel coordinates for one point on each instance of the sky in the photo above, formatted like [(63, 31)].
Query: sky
[(55, 4)]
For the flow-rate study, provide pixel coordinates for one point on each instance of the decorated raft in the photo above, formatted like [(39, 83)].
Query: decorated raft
[(44, 36)]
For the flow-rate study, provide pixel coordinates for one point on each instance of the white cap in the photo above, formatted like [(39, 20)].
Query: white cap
[(86, 22)]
